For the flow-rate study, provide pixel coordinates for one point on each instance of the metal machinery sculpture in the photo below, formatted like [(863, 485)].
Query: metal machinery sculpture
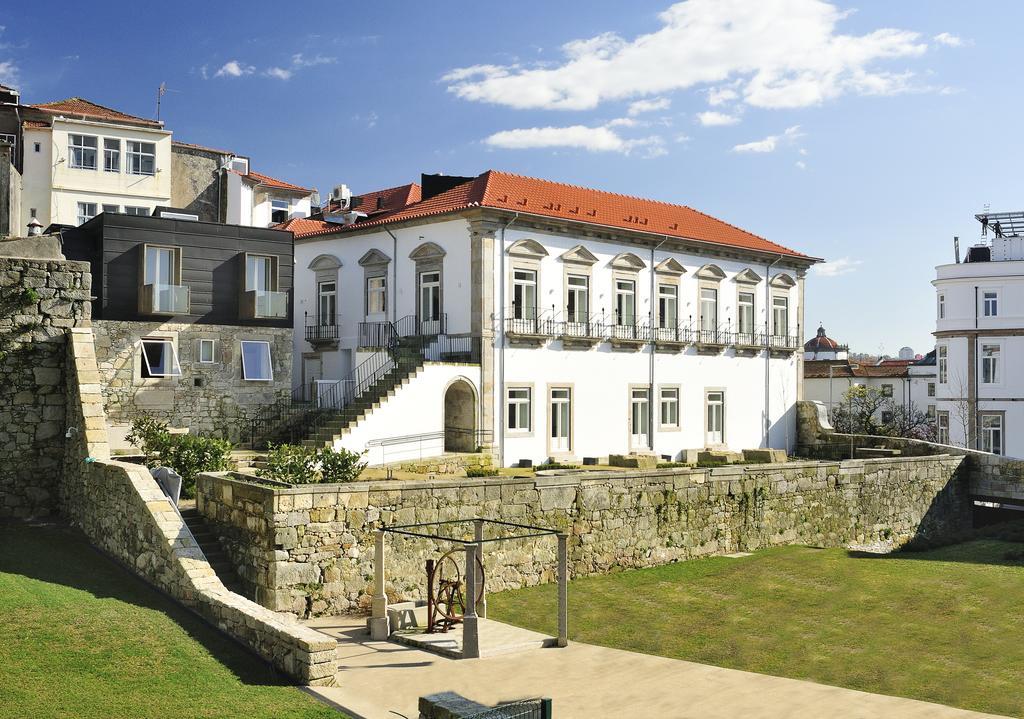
[(446, 591)]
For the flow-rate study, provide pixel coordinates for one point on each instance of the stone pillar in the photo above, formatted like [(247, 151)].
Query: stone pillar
[(482, 315), (478, 536), (563, 590), (470, 627), (379, 629)]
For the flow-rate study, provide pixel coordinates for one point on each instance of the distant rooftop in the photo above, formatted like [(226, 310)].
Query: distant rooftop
[(1002, 224)]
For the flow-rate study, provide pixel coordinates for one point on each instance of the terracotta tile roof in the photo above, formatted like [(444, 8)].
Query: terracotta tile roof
[(818, 369), (516, 193), (34, 124), (80, 107), (201, 147), (389, 200), (272, 182)]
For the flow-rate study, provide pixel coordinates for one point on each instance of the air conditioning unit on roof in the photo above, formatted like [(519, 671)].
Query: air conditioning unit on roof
[(342, 196)]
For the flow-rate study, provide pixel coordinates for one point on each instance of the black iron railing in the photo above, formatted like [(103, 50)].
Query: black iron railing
[(417, 326), (782, 342), (575, 325), (674, 334), (627, 329), (713, 337), (322, 328)]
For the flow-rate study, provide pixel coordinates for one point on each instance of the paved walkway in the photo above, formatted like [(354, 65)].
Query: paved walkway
[(376, 679)]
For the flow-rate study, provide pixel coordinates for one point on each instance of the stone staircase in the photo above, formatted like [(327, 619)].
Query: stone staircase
[(211, 546)]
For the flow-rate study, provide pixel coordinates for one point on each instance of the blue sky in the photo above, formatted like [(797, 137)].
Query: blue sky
[(866, 134)]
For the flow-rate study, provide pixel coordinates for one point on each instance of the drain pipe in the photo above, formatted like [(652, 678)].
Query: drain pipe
[(501, 346), (394, 276), (768, 351), (651, 323)]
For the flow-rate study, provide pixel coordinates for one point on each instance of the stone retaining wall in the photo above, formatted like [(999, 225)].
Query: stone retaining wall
[(39, 300), (122, 510), (308, 549)]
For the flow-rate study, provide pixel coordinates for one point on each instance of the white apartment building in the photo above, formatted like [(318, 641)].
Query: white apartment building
[(80, 159), (560, 322), (908, 383), (979, 340)]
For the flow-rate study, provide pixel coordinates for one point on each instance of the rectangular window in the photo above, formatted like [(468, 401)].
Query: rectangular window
[(86, 211), (82, 152), (111, 154), (376, 295), (669, 401), (11, 140), (131, 210), (279, 211), (256, 365), (943, 365), (942, 427), (931, 389), (524, 294), (520, 409), (942, 306), (990, 364), (745, 313), (261, 273), (668, 306), (887, 390), (708, 309), (115, 209), (990, 304), (37, 147), (327, 303), (578, 299), (715, 403), (141, 158), (639, 417), (206, 347), (561, 418), (780, 316), (886, 416), (992, 433), (430, 296), (159, 359), (931, 411), (161, 266), (625, 302)]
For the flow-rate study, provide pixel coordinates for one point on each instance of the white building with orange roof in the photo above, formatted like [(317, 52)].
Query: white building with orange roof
[(541, 321)]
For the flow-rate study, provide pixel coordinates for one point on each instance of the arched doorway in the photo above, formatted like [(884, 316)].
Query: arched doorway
[(460, 417)]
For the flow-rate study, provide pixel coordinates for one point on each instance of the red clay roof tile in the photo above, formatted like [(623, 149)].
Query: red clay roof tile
[(269, 181), (80, 107)]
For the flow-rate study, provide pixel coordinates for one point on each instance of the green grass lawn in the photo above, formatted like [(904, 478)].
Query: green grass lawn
[(81, 637), (945, 626)]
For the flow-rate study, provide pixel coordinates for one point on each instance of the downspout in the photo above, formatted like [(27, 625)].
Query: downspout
[(972, 386), (651, 324), (768, 351), (394, 276), (501, 343)]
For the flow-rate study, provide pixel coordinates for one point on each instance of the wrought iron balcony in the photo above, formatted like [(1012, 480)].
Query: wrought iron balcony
[(528, 326), (322, 330)]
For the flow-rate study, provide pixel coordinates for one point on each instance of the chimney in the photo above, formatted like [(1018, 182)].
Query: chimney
[(35, 227)]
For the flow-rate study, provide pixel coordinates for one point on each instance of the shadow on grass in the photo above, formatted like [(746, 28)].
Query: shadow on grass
[(55, 553), (981, 550)]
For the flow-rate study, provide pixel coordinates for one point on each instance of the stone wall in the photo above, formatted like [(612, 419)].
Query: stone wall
[(124, 513), (209, 398), (39, 300), (308, 549), (195, 182)]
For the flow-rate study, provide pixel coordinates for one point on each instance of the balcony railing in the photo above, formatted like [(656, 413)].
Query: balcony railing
[(626, 329), (677, 335), (713, 337), (576, 326), (787, 343), (157, 299), (264, 305), (529, 323), (322, 329)]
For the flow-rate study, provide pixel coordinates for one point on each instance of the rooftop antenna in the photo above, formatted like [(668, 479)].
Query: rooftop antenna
[(160, 92), (956, 248)]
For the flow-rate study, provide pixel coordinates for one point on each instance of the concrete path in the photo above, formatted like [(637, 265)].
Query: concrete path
[(376, 679)]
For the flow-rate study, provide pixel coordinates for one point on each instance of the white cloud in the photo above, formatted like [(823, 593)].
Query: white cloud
[(770, 143), (9, 73), (233, 68), (835, 268), (300, 60), (948, 39), (801, 165), (660, 103), (622, 122), (592, 139), (711, 118), (783, 53), (721, 95), (278, 72)]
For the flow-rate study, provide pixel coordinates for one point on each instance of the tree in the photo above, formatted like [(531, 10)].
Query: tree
[(909, 421), (866, 410)]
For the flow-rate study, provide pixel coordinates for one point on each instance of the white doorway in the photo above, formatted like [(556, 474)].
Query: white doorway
[(715, 403), (639, 418)]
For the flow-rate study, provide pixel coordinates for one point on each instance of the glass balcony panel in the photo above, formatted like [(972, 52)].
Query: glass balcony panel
[(169, 299)]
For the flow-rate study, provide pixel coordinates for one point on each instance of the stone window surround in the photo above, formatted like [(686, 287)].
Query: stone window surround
[(704, 420), (519, 433), (626, 267), (197, 348), (428, 257), (1001, 413), (999, 362), (578, 261), (526, 255), (942, 363), (668, 272), (942, 417), (572, 418), (781, 285), (325, 268), (375, 263), (678, 426), (709, 277), (629, 416), (746, 283)]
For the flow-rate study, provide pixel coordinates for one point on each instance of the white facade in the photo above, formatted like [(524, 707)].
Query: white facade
[(539, 397), (979, 350), (256, 204), (81, 166)]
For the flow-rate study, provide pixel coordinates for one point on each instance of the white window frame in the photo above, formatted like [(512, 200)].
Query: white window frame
[(624, 288), (577, 288), (942, 306), (710, 301), (525, 293), (376, 295), (175, 368), (668, 398), (708, 404), (11, 139), (519, 410), (116, 209), (79, 149), (990, 303), (668, 297), (330, 296), (639, 416), (887, 390), (203, 343), (136, 155), (780, 308), (931, 389), (746, 309), (280, 204), (992, 431), (245, 368), (137, 210), (942, 426), (555, 404), (991, 354), (429, 291), (84, 215), (269, 275), (942, 363), (112, 154)]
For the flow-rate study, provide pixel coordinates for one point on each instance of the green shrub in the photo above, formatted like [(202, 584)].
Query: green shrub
[(186, 454), (554, 465), (296, 464), (711, 463), (670, 465), (481, 472), (29, 296)]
